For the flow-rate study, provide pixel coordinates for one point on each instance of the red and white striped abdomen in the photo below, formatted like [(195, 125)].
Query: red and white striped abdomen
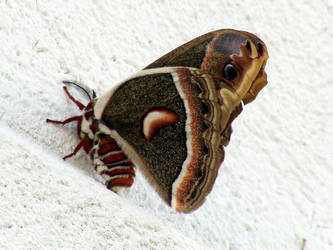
[(111, 163)]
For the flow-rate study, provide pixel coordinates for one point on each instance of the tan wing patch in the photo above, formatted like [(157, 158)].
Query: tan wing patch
[(156, 119)]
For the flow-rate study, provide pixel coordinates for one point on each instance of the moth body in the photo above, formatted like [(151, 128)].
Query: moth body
[(173, 118)]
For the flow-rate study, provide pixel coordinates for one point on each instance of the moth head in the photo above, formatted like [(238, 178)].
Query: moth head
[(236, 60)]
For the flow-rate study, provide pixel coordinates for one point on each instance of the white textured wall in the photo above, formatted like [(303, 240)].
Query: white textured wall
[(275, 186)]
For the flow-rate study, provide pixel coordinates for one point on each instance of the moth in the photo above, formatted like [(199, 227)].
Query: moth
[(173, 118)]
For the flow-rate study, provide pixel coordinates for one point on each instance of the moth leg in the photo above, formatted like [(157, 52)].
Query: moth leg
[(85, 143), (72, 119), (79, 104), (75, 118)]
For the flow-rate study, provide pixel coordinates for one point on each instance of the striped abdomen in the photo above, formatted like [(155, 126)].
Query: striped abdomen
[(111, 163)]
